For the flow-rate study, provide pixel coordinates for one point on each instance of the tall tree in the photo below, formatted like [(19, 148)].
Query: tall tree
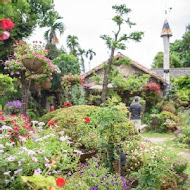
[(116, 42), (90, 54), (80, 55), (26, 15), (50, 35), (72, 44)]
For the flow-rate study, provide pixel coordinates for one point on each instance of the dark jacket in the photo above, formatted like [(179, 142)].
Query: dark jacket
[(136, 110)]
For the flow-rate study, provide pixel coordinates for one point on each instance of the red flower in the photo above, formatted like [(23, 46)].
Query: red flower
[(74, 122), (60, 182), (87, 120), (6, 24), (66, 104)]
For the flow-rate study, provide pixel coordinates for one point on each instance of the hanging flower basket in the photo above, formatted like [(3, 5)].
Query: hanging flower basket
[(40, 70), (45, 85), (32, 64)]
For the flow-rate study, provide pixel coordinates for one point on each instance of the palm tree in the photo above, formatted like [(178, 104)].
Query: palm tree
[(81, 53), (72, 44), (50, 35), (90, 54)]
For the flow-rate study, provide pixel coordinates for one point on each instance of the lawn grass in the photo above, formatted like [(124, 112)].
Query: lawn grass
[(159, 135)]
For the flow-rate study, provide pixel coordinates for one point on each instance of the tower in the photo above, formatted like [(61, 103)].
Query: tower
[(166, 34)]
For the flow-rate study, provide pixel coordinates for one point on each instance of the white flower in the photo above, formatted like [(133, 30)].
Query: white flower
[(38, 140), (5, 127), (10, 144), (47, 165), (34, 159), (64, 138), (18, 171), (31, 152), (19, 163), (64, 151), (6, 181), (2, 146), (11, 158), (41, 124), (34, 122), (46, 159), (61, 132), (78, 151), (23, 139), (7, 173), (1, 151)]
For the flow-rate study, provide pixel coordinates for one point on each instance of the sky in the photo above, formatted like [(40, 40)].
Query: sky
[(88, 19)]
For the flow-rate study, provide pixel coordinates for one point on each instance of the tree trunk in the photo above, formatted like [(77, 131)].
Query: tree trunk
[(106, 73), (25, 86)]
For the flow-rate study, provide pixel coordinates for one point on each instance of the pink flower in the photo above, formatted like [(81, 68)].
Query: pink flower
[(5, 35)]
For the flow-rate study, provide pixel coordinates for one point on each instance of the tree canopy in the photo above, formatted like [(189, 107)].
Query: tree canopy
[(26, 15), (179, 53)]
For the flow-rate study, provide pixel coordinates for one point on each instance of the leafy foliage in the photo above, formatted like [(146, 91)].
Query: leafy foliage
[(26, 15)]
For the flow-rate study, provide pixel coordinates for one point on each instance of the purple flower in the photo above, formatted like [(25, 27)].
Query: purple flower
[(37, 171), (13, 106), (92, 175), (112, 181), (98, 166), (107, 183), (18, 171)]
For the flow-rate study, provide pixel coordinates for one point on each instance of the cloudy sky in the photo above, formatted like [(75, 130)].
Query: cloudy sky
[(88, 19)]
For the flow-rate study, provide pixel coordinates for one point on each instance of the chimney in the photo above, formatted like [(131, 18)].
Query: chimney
[(166, 34)]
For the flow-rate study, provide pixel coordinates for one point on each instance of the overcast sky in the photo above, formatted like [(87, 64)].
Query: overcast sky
[(88, 19)]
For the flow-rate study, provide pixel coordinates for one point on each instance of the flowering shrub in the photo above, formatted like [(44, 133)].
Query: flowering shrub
[(12, 107), (14, 66), (70, 79), (43, 158), (154, 166), (19, 127), (152, 86), (90, 125)]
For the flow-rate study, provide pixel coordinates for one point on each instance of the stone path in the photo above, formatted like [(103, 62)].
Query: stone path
[(161, 140)]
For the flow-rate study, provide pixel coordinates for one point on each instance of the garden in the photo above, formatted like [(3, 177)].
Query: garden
[(54, 135)]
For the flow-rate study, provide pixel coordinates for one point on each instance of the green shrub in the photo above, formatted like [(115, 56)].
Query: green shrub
[(96, 132)]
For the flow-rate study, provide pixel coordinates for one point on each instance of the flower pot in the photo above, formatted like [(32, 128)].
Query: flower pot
[(45, 85), (32, 64)]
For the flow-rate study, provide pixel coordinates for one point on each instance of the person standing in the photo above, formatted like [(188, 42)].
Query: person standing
[(135, 113)]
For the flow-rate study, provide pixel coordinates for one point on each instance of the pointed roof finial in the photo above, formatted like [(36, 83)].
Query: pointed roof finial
[(166, 31)]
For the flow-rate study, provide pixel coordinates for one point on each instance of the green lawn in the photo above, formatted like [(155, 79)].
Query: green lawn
[(154, 134)]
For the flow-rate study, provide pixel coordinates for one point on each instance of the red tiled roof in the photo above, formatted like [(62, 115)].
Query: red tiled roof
[(134, 63)]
